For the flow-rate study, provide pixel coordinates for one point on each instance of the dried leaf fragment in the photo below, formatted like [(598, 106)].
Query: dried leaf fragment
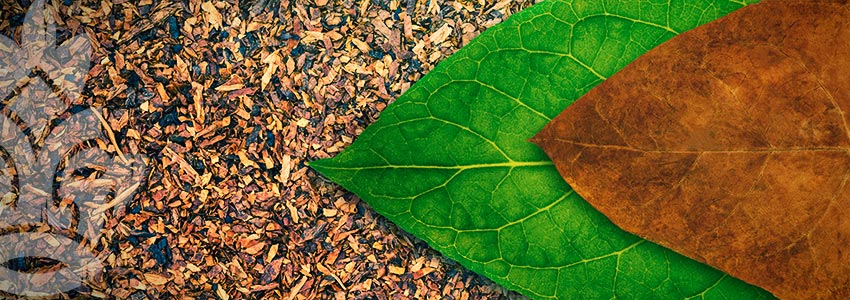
[(155, 279), (729, 144)]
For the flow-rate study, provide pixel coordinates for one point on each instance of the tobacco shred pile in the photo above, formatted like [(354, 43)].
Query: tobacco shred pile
[(228, 100)]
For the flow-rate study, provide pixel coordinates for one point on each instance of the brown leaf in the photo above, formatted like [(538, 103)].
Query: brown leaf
[(396, 270), (221, 293), (214, 17), (271, 271), (155, 279), (255, 248), (729, 144), (229, 87)]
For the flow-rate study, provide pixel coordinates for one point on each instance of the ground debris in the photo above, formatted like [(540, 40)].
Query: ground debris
[(229, 99)]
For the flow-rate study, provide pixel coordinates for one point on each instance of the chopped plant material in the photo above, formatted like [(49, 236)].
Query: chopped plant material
[(214, 93), (449, 161), (729, 144)]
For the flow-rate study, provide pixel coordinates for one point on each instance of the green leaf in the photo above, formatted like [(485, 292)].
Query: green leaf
[(449, 161)]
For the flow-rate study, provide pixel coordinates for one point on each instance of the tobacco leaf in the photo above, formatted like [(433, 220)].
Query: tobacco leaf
[(449, 161), (729, 144)]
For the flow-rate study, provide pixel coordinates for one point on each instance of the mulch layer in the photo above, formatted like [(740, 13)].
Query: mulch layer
[(228, 100)]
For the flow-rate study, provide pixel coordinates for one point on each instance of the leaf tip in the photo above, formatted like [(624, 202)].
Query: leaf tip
[(540, 139), (320, 165), (330, 169)]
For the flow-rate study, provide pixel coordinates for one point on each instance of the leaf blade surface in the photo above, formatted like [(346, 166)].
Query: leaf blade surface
[(729, 144), (449, 161)]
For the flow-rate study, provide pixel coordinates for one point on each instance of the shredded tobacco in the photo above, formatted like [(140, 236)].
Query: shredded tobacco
[(229, 100)]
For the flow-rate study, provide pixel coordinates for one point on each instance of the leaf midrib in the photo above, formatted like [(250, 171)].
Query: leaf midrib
[(731, 151), (513, 164)]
